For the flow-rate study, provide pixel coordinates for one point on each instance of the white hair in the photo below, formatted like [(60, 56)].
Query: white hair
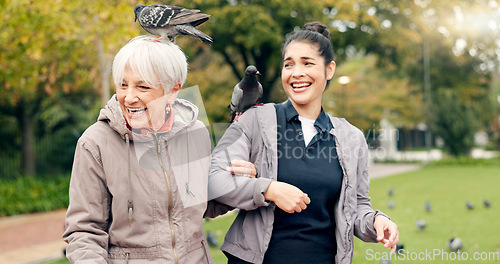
[(157, 62)]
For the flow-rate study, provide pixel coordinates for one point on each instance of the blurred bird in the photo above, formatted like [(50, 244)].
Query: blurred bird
[(420, 224), (486, 203), (212, 239), (385, 261), (390, 204), (170, 21), (399, 246), (390, 192), (246, 93), (455, 244), (469, 205), (428, 206)]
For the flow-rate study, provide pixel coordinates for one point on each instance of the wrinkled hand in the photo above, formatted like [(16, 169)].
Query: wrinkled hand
[(242, 168), (387, 232), (287, 197)]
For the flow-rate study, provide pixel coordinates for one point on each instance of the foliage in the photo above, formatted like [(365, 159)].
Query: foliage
[(27, 194), (454, 121), (50, 54), (52, 50), (373, 93), (466, 161)]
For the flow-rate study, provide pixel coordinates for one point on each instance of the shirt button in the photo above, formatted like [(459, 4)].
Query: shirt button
[(300, 133)]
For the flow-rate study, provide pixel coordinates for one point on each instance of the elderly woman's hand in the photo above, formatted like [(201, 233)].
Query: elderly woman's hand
[(387, 232), (242, 168)]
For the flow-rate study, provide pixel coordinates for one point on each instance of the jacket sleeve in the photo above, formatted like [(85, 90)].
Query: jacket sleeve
[(86, 221), (236, 143), (363, 225)]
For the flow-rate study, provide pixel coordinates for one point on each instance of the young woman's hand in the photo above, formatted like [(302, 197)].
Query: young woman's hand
[(242, 168), (387, 232), (287, 197)]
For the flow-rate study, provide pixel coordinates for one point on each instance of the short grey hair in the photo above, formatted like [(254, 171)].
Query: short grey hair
[(157, 62)]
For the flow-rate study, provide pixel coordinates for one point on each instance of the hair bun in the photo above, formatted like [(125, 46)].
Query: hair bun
[(317, 27)]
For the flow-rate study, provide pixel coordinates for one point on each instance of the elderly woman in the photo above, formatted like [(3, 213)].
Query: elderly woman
[(139, 181)]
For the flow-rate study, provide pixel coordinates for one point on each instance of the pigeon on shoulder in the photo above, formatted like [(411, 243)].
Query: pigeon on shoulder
[(170, 21), (246, 93)]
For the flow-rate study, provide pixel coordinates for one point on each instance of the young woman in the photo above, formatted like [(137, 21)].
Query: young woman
[(138, 188), (311, 193)]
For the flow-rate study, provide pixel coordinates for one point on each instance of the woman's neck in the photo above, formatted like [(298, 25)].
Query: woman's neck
[(309, 111)]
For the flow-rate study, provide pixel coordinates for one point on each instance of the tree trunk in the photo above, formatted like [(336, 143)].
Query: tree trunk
[(28, 162), (105, 67)]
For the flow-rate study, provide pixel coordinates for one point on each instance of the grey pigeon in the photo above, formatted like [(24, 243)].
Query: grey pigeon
[(400, 246), (390, 192), (420, 224), (212, 239), (385, 261), (455, 244), (391, 204), (246, 93), (469, 205), (170, 21), (486, 203), (428, 206)]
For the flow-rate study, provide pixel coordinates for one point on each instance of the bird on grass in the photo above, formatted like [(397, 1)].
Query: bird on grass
[(391, 204), (486, 203), (390, 192), (170, 21), (420, 224), (469, 205), (212, 239), (399, 246), (385, 261), (455, 244), (428, 207), (246, 93)]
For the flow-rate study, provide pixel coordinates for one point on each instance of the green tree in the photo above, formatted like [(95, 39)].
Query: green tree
[(48, 52), (454, 121)]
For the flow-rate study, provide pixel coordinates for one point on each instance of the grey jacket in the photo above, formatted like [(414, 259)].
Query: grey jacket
[(254, 137), (138, 198)]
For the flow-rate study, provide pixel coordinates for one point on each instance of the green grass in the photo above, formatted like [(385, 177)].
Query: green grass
[(447, 187), (219, 226)]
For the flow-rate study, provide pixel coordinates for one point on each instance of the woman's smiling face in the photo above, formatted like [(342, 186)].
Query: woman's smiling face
[(143, 106), (304, 74)]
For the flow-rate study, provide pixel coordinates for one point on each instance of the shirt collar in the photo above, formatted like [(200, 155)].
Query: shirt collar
[(290, 112), (322, 123)]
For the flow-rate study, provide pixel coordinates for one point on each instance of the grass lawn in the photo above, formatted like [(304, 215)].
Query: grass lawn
[(447, 188)]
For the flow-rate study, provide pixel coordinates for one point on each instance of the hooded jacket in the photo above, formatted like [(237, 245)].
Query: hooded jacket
[(254, 137), (139, 198)]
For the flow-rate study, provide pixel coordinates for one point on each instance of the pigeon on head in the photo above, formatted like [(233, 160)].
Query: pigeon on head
[(170, 21), (246, 93)]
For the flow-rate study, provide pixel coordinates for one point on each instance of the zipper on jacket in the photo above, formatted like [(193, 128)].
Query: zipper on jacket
[(169, 198), (346, 181)]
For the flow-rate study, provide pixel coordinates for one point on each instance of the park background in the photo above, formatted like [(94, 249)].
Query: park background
[(420, 78)]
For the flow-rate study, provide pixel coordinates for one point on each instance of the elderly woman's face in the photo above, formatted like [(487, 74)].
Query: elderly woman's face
[(143, 106)]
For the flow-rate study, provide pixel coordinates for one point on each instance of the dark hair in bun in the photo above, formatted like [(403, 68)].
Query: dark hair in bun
[(318, 27), (316, 34)]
